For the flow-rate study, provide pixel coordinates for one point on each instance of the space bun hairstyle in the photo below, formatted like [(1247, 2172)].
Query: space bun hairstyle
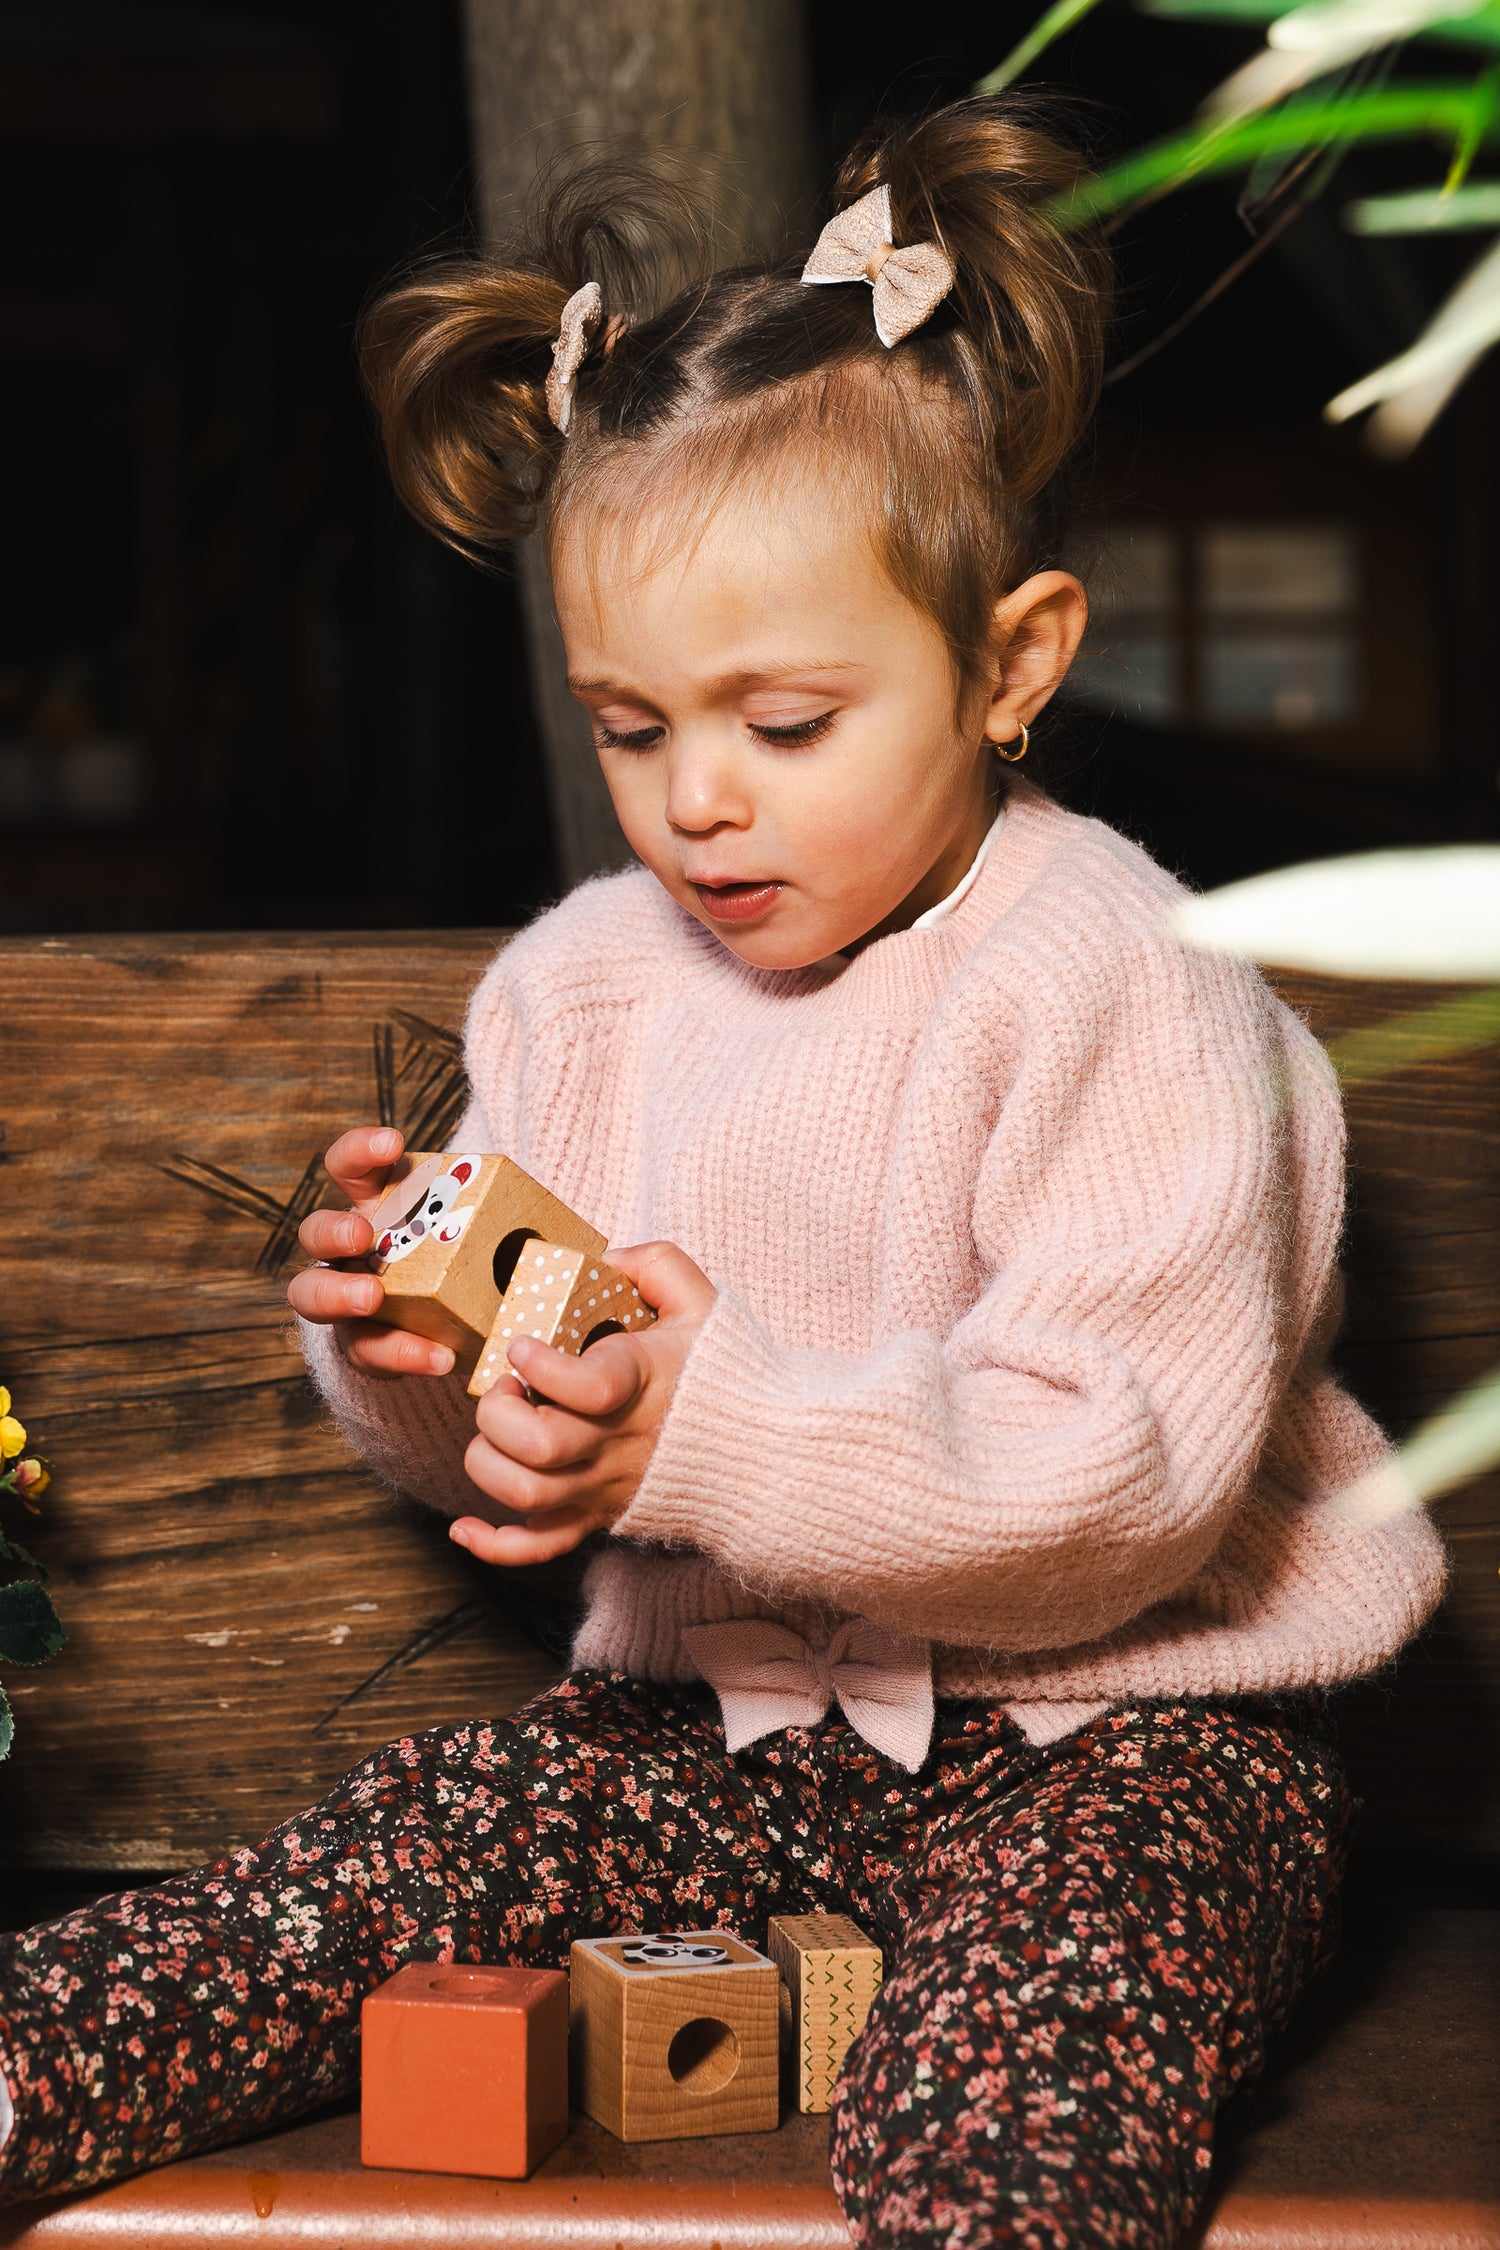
[(693, 377)]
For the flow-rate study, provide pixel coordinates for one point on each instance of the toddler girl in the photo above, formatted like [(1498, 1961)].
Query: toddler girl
[(961, 1562)]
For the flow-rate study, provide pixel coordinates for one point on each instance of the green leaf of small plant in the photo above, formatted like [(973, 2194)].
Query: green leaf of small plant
[(7, 1725), (1060, 17), (11, 1550), (1444, 112), (30, 1628), (1450, 1027)]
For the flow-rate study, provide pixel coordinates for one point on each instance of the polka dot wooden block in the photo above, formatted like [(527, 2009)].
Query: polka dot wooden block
[(449, 1235), (832, 1972), (564, 1298)]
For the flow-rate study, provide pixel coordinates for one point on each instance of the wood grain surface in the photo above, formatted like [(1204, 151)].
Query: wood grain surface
[(249, 1613), (1422, 1256)]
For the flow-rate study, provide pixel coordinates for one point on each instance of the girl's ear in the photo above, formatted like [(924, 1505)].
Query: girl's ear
[(1034, 639)]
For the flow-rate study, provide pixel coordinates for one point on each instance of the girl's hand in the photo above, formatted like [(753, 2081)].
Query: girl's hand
[(360, 1164), (570, 1457)]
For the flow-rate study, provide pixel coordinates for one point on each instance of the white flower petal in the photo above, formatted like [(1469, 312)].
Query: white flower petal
[(1432, 912)]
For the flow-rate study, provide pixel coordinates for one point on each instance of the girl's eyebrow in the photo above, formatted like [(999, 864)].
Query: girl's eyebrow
[(752, 676)]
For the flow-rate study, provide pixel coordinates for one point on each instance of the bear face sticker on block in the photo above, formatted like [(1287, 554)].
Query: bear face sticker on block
[(425, 1204), (448, 1236)]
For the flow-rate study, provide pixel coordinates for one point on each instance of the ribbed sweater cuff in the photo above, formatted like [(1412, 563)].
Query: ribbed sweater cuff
[(413, 1431), (707, 1483)]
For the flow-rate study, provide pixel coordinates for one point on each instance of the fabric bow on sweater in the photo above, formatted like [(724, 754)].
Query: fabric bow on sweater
[(909, 284), (766, 1676)]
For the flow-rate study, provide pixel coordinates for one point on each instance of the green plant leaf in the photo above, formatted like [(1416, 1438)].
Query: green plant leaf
[(1442, 112), (1426, 210), (1460, 1442), (1431, 912), (11, 1550), (30, 1628), (7, 1725), (1216, 11), (1060, 17), (1448, 1027)]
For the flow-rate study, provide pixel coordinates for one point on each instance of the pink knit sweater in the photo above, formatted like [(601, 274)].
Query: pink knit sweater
[(1024, 1229)]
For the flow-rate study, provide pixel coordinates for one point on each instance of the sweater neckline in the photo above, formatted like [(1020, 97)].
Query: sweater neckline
[(908, 968)]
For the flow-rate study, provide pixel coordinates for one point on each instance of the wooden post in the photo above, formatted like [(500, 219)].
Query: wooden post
[(721, 81)]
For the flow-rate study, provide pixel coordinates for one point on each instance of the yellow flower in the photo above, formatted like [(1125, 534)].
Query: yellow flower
[(4, 1400), (32, 1479), (12, 1435)]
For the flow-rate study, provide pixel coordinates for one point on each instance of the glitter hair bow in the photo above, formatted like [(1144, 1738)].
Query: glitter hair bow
[(580, 317), (909, 284)]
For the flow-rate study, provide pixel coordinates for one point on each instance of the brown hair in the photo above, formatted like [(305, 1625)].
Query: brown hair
[(948, 439)]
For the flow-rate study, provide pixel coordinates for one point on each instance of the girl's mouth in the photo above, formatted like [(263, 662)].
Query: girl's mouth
[(737, 902)]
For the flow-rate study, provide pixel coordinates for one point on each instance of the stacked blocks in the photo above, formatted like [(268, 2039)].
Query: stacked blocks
[(675, 2035), (448, 1237), (566, 1298), (832, 1973), (465, 2070)]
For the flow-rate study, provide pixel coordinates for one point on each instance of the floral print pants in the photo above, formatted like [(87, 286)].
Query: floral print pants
[(1087, 1946)]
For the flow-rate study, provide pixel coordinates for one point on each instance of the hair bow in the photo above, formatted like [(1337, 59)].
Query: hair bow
[(580, 317), (909, 284)]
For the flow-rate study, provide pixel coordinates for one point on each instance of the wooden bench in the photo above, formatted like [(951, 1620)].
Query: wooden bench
[(249, 1613)]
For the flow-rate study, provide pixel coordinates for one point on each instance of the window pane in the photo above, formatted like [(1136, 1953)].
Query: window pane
[(1137, 675), (1279, 679), (1302, 570), (1129, 567)]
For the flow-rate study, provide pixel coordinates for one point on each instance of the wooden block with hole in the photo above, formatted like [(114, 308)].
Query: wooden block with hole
[(464, 2070), (564, 1298), (832, 1973), (675, 2034), (448, 1235)]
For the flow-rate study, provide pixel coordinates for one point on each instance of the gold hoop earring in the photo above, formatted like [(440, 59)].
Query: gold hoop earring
[(1011, 756)]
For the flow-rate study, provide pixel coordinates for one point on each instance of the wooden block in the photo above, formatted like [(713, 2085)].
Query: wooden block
[(832, 1973), (464, 2070), (675, 2035), (565, 1298), (448, 1235)]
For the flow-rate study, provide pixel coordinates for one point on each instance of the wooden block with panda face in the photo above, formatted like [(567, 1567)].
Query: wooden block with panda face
[(563, 1297), (449, 1235)]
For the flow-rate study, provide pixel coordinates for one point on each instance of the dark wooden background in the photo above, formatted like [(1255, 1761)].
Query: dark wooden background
[(248, 1612)]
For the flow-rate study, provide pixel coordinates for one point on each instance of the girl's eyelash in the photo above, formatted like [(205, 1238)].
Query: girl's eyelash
[(637, 738), (783, 738), (805, 730)]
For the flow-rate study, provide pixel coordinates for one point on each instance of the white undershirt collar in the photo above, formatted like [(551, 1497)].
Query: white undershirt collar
[(837, 962), (946, 905)]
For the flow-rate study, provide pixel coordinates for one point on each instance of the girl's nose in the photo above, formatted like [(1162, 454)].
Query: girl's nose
[(705, 791)]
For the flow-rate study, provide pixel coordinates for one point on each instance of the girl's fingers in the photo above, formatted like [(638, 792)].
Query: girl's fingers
[(604, 1380), (671, 1282), (514, 1545), (539, 1437), (335, 1234), (324, 1293), (393, 1351), (514, 1485), (359, 1162)]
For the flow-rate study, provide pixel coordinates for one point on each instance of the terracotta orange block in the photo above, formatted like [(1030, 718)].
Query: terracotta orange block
[(465, 2070)]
